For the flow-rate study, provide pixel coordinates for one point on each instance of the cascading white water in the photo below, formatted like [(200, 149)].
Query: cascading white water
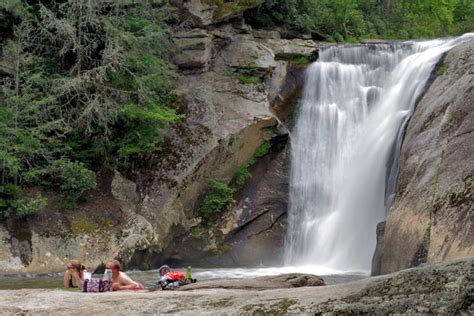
[(355, 104)]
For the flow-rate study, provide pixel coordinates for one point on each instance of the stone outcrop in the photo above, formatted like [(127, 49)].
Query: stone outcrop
[(291, 280), (194, 50), (252, 231), (432, 218), (295, 47), (377, 258), (244, 51), (256, 224), (436, 289)]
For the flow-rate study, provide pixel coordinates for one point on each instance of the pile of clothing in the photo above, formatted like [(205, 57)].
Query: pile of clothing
[(171, 280)]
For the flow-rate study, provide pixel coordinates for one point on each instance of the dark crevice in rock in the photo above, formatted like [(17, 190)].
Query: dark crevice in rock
[(377, 258), (282, 215), (283, 103), (249, 221), (421, 254), (143, 260), (462, 134), (20, 240)]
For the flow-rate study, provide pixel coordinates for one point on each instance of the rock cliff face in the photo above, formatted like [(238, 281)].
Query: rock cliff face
[(231, 78), (432, 218), (231, 96)]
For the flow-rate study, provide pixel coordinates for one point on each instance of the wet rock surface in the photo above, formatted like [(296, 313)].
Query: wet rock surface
[(432, 218), (435, 289)]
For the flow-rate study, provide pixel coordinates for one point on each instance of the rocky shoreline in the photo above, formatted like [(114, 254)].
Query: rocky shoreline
[(445, 288)]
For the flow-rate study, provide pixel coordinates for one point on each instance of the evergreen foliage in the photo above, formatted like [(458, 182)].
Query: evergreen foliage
[(349, 20), (219, 196), (242, 173), (89, 88)]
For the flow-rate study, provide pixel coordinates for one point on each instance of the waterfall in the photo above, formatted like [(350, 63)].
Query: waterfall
[(345, 147)]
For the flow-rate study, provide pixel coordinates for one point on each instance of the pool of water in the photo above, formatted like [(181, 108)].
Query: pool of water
[(150, 277)]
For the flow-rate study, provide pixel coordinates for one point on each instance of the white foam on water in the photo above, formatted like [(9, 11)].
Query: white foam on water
[(249, 273)]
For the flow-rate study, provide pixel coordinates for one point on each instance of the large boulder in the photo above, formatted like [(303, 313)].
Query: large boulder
[(94, 233), (289, 48), (224, 126), (244, 52), (432, 218), (444, 288)]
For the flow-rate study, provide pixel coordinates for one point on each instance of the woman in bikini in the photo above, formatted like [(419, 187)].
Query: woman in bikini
[(74, 275)]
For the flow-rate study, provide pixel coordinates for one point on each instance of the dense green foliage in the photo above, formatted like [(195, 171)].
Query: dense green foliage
[(225, 7), (88, 89), (242, 173), (296, 59), (219, 195), (246, 75), (350, 20)]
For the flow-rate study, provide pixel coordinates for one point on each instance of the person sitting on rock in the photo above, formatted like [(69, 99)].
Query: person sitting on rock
[(74, 275), (120, 280)]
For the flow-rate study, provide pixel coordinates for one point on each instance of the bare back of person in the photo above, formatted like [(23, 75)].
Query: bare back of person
[(123, 282), (120, 280)]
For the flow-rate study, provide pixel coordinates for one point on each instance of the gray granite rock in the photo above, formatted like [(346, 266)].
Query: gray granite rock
[(291, 280), (194, 50), (432, 218), (434, 289), (245, 52), (266, 34)]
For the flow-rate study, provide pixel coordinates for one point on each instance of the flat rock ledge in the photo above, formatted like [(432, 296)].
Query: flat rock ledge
[(443, 288), (289, 280)]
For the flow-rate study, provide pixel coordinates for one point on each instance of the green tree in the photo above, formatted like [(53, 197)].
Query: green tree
[(218, 197), (88, 88), (346, 19)]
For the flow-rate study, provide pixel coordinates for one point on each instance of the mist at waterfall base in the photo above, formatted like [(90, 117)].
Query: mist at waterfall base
[(345, 148)]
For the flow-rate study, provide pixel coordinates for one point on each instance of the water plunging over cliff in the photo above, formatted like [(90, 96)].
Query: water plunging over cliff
[(345, 148)]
